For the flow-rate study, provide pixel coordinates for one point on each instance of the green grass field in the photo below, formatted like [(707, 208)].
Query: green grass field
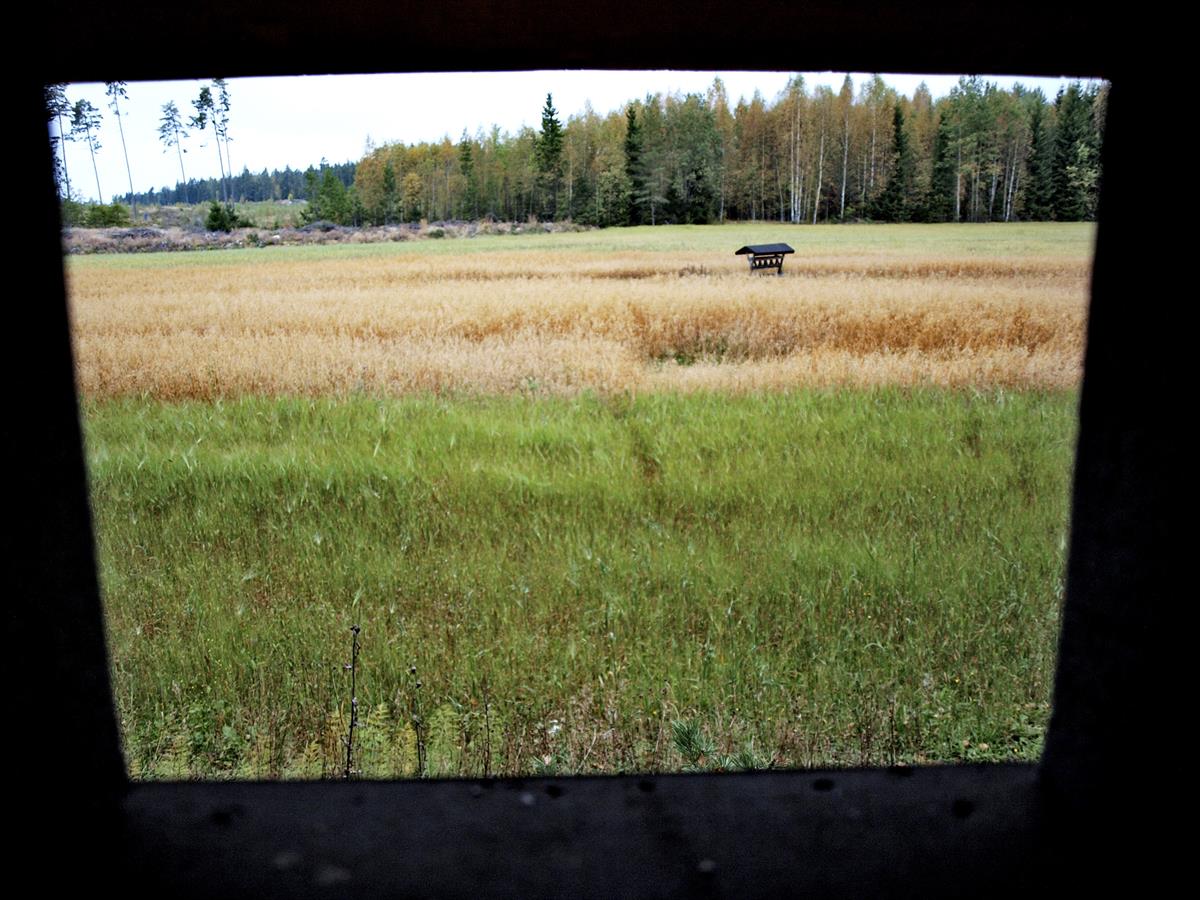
[(1039, 240), (789, 579)]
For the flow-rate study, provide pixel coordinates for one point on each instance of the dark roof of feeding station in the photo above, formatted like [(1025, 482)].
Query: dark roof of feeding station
[(759, 249)]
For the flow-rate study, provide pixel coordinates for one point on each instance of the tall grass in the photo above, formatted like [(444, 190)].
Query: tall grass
[(818, 578)]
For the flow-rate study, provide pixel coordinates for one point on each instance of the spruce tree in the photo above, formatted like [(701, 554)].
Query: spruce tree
[(1039, 192), (466, 164), (1072, 153), (332, 201), (893, 203), (548, 156), (633, 165), (942, 185)]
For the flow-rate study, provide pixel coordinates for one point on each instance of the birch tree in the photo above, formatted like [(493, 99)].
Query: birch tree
[(718, 101), (824, 100), (845, 102), (794, 107)]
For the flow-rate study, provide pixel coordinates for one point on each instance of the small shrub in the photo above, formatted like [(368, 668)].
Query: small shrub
[(218, 218), (73, 213), (113, 215), (225, 218)]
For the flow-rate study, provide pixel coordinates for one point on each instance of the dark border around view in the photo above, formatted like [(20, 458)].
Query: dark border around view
[(1081, 818)]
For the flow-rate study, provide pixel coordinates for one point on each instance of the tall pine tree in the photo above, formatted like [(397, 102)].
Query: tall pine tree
[(206, 114), (115, 90), (85, 126), (58, 106), (219, 114), (171, 132)]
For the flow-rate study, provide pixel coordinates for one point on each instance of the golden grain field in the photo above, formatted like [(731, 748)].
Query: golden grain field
[(564, 321)]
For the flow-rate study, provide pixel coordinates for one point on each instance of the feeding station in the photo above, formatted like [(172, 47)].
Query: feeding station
[(766, 256)]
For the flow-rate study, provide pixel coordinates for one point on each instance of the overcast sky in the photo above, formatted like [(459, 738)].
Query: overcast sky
[(277, 122)]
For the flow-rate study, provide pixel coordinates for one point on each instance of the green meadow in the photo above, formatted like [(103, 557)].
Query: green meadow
[(1037, 240), (581, 584)]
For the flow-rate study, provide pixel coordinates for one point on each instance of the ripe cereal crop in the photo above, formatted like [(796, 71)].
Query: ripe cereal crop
[(561, 321)]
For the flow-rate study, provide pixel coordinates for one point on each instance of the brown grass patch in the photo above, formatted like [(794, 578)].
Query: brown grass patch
[(563, 322)]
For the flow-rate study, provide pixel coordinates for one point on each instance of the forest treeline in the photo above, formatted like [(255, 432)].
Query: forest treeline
[(979, 154), (248, 187)]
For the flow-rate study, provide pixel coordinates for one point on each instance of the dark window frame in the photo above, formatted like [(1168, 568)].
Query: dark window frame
[(943, 830)]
